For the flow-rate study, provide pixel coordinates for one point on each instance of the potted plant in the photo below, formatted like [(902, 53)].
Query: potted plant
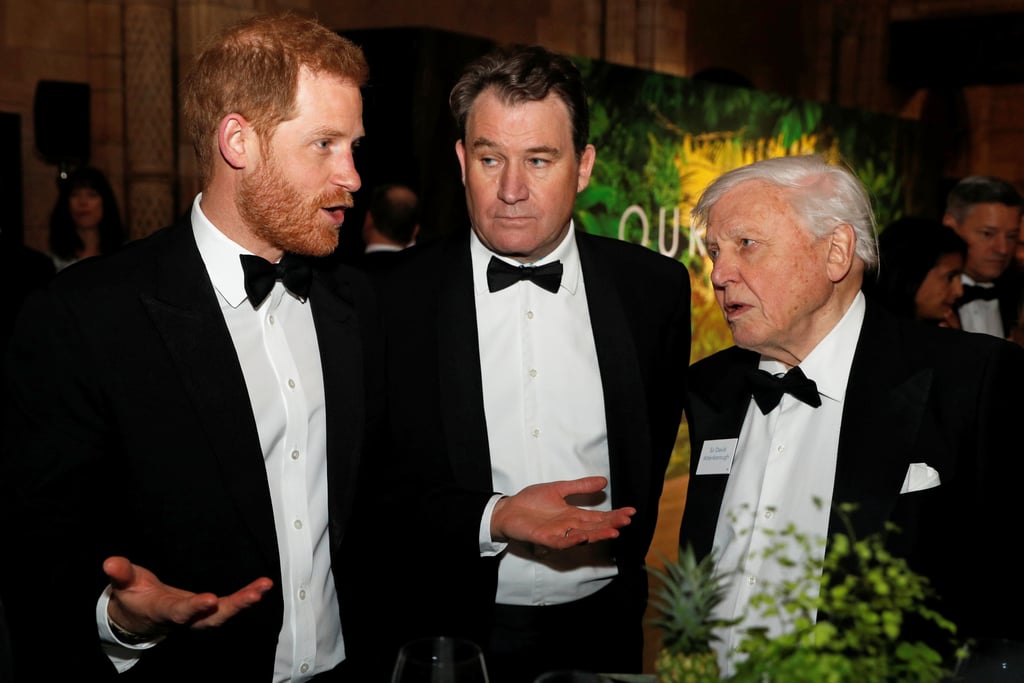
[(843, 618)]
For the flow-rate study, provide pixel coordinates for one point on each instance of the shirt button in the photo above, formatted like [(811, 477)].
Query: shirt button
[(271, 319), (302, 595), (535, 433), (780, 448), (751, 580), (291, 384), (768, 514), (304, 668), (533, 373), (295, 455), (297, 523), (529, 315)]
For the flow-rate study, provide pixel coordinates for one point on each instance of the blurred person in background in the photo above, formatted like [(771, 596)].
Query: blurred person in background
[(85, 220), (986, 212), (920, 263)]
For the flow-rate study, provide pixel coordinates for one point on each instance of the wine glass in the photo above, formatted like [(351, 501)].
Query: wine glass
[(440, 659)]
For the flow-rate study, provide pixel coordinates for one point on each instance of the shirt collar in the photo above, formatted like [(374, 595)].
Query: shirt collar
[(220, 255), (829, 363), (968, 280), (566, 252)]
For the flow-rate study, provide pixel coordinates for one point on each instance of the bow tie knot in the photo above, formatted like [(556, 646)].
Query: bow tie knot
[(501, 275), (260, 275), (975, 292), (768, 388)]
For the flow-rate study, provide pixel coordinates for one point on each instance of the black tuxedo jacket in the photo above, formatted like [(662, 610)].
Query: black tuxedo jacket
[(639, 304), (131, 433), (916, 393)]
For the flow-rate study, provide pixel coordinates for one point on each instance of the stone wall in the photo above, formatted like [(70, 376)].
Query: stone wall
[(131, 53)]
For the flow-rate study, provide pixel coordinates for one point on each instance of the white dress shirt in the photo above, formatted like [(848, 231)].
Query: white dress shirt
[(277, 348), (544, 407), (783, 461), (981, 315)]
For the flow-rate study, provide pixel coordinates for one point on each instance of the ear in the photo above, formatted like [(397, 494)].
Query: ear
[(460, 151), (233, 135), (841, 251), (586, 168)]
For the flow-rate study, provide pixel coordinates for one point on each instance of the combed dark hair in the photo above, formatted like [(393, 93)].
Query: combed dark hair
[(908, 248), (524, 73), (980, 189), (252, 68), (64, 239)]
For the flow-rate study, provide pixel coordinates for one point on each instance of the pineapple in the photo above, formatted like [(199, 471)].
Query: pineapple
[(686, 594)]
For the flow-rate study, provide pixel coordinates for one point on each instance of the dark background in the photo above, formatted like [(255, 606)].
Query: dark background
[(410, 135)]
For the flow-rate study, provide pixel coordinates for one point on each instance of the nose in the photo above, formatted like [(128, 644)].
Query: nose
[(345, 174), (1005, 244), (723, 272), (512, 185), (957, 286)]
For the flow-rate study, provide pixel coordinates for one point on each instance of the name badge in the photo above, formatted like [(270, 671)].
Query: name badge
[(716, 456)]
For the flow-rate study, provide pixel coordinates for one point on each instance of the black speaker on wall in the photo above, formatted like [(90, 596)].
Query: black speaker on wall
[(61, 118)]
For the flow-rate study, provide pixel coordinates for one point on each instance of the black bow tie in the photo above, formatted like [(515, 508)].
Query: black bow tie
[(768, 388), (261, 274), (501, 275), (973, 292)]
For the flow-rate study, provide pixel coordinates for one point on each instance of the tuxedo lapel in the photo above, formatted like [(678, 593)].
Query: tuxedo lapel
[(883, 413), (627, 414), (461, 386), (342, 360), (185, 312), (718, 400)]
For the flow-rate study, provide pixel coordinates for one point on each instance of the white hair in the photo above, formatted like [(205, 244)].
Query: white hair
[(824, 196)]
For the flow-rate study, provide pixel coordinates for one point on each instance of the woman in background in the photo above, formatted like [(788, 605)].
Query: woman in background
[(920, 261), (86, 220)]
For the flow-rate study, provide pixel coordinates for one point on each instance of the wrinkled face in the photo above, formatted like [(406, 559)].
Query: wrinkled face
[(296, 196), (936, 296), (991, 232), (770, 273), (86, 206), (521, 174)]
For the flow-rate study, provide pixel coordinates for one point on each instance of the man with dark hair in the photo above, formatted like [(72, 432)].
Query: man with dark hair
[(538, 375), (986, 212)]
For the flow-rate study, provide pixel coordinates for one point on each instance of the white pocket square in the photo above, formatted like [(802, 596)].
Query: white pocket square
[(919, 477)]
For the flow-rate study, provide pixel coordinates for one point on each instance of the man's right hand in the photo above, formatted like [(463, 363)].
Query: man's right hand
[(539, 514), (142, 605)]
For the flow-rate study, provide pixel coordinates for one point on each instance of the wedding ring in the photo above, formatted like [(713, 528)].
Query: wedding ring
[(567, 532)]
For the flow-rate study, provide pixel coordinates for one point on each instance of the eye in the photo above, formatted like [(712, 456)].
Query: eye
[(538, 162), (488, 161), (746, 242), (713, 253), (322, 144)]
